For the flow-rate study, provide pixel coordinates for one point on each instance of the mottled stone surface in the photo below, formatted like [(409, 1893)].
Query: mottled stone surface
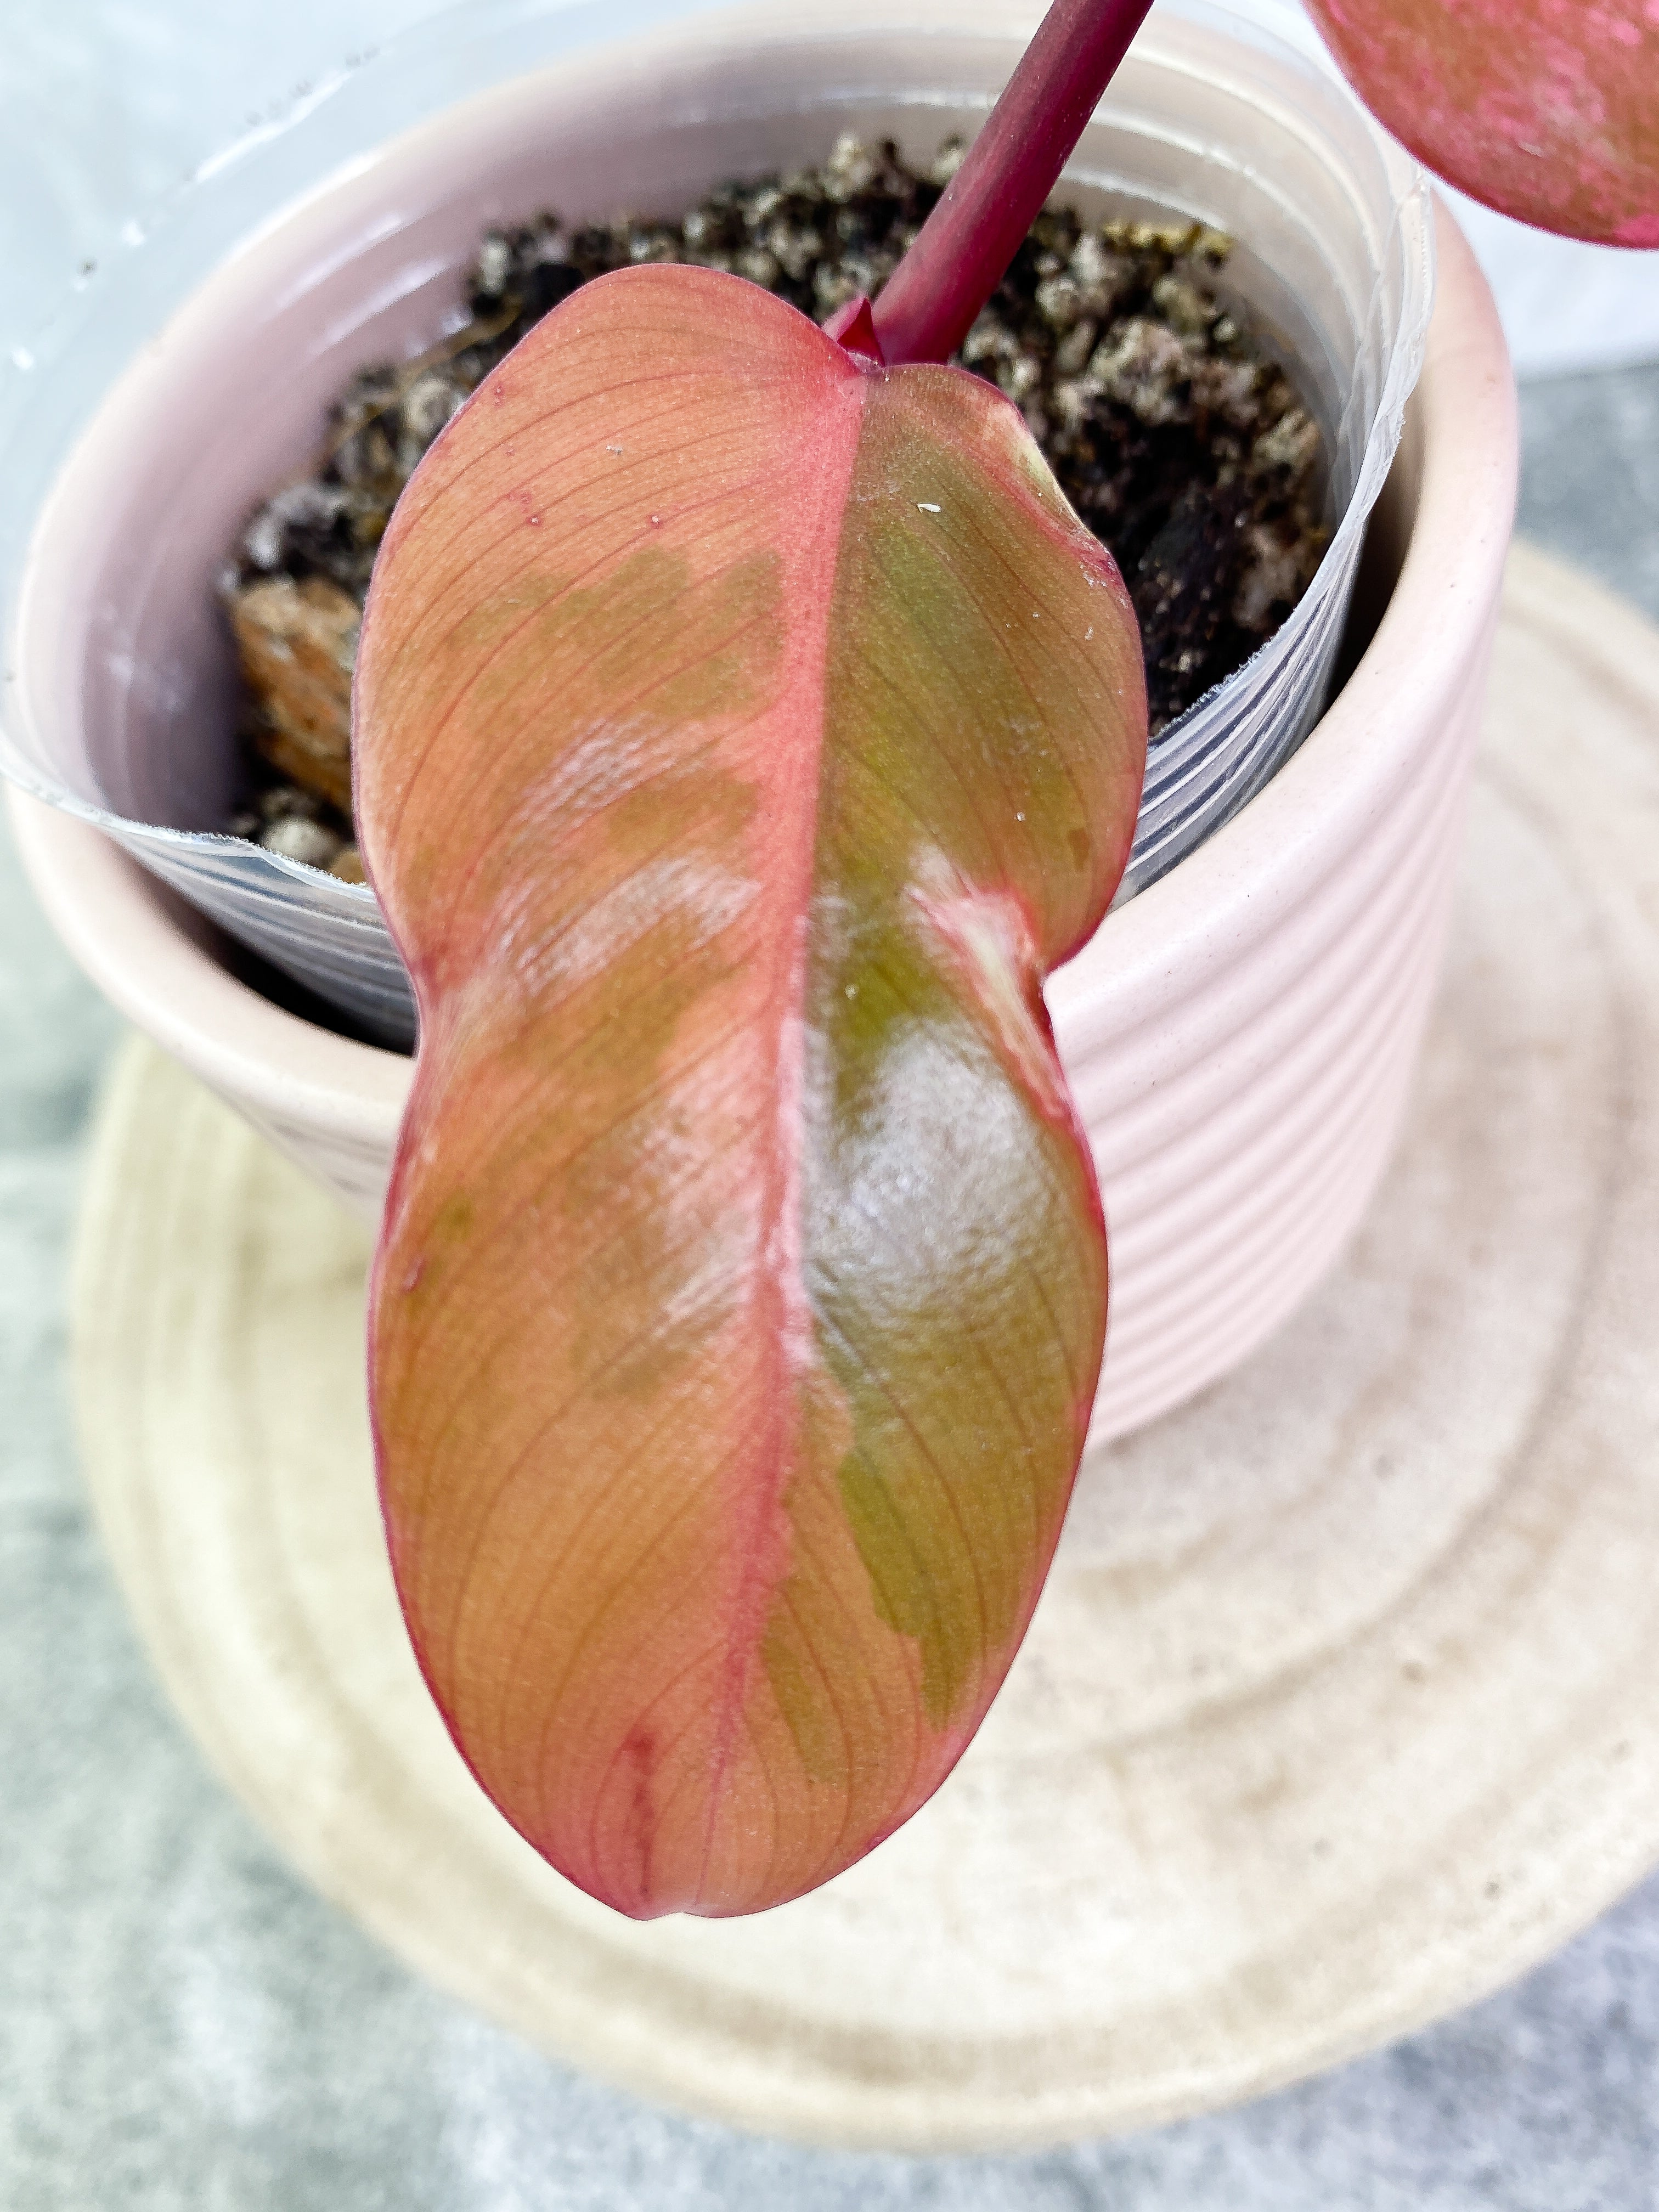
[(182, 2023)]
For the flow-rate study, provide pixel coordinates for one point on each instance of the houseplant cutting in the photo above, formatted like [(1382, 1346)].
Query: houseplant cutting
[(702, 832)]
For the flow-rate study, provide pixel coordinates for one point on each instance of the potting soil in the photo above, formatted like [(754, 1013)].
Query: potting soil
[(1178, 440)]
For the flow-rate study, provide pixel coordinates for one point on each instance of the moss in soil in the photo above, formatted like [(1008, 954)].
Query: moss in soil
[(1179, 442)]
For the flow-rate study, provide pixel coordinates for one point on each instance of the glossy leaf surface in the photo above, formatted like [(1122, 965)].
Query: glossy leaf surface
[(1547, 109), (742, 735)]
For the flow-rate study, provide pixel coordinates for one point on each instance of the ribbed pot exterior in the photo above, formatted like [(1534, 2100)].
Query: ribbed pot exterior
[(1236, 1165), (1241, 1038)]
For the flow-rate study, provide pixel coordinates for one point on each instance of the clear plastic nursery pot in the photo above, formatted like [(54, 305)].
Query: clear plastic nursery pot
[(119, 702), (1240, 1037)]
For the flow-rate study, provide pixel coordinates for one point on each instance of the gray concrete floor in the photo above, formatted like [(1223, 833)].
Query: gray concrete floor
[(184, 2024), (1589, 484)]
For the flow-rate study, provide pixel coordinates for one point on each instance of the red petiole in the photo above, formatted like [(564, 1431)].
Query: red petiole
[(966, 244)]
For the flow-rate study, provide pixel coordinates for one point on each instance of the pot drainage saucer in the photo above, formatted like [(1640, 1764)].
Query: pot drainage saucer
[(1341, 1706)]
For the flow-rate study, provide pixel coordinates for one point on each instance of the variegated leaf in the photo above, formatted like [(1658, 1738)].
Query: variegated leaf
[(743, 732), (1547, 109)]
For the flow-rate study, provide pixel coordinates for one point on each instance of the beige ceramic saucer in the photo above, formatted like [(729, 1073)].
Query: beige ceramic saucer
[(1341, 1707)]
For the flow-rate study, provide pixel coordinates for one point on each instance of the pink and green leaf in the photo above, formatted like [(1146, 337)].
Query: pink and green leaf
[(1547, 109), (743, 732)]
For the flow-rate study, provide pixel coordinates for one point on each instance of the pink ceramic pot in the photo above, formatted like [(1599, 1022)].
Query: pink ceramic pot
[(1240, 1036)]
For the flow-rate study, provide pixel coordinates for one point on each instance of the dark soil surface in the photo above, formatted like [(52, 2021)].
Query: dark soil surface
[(1175, 436)]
